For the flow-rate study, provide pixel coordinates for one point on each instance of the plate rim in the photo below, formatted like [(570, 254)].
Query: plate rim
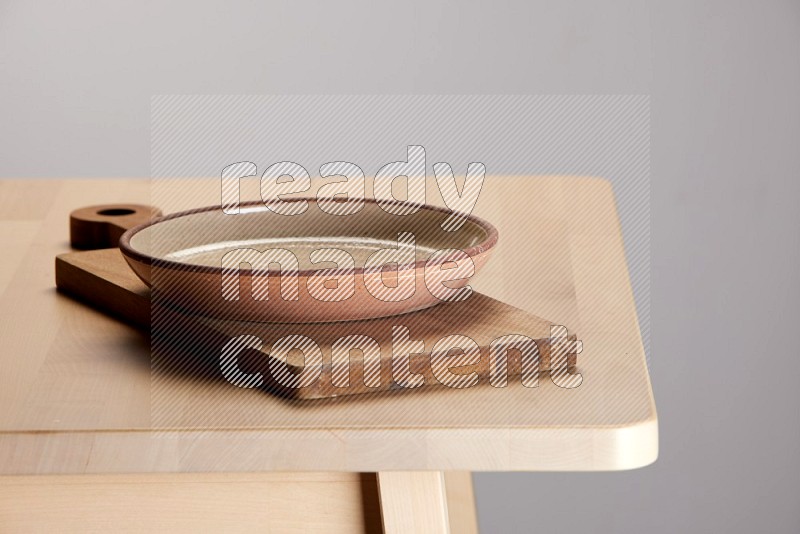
[(128, 251)]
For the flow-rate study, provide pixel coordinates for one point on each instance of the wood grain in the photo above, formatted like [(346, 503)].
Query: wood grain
[(174, 503), (101, 226), (78, 393), (460, 495), (413, 502)]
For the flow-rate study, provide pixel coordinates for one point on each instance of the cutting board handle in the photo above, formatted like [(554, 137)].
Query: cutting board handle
[(95, 227)]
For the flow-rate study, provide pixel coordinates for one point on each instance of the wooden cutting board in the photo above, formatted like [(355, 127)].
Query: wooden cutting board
[(103, 279)]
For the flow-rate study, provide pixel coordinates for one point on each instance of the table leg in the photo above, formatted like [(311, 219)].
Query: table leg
[(461, 502), (426, 502)]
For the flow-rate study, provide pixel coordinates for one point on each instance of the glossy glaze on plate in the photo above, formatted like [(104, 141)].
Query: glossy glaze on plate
[(180, 257)]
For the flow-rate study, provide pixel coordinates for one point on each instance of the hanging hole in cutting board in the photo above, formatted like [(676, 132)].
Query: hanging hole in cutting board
[(115, 212)]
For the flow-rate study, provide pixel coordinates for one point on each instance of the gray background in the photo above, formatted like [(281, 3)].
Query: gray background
[(75, 86)]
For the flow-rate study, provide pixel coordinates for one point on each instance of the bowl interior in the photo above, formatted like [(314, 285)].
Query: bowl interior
[(203, 237)]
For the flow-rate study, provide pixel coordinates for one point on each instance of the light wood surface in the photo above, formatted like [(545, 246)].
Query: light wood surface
[(461, 512), (413, 502), (345, 503), (78, 395), (427, 502)]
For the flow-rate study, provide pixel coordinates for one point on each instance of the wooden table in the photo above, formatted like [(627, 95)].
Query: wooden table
[(81, 447)]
